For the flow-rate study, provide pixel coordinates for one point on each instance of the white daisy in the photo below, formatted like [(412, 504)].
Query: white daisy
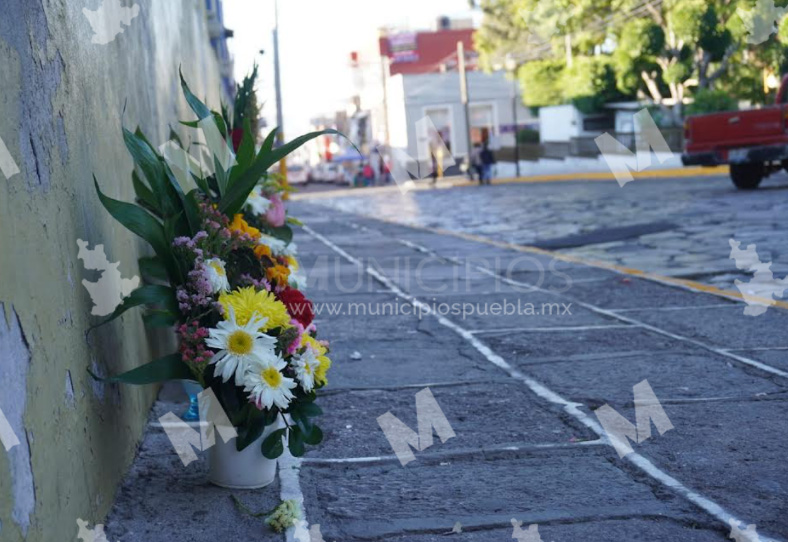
[(267, 386), (305, 366), (257, 202), (298, 279), (277, 246), (239, 346), (217, 275)]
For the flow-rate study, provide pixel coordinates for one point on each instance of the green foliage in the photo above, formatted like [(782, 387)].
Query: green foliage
[(541, 82), (712, 101), (664, 50), (246, 108), (590, 83), (527, 136)]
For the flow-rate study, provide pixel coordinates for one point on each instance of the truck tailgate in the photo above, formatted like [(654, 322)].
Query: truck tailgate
[(737, 129)]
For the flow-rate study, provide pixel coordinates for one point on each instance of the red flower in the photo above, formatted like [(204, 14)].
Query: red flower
[(299, 307)]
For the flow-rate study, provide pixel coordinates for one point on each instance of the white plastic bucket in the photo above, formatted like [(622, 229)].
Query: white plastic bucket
[(248, 469)]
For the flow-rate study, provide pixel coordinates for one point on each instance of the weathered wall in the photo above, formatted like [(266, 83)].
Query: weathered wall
[(61, 109)]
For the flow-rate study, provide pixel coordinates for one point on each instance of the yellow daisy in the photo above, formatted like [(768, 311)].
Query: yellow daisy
[(246, 301)]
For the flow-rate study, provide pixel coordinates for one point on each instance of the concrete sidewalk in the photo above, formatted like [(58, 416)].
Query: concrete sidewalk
[(519, 392)]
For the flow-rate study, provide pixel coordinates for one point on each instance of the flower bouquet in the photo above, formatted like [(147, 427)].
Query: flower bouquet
[(225, 275)]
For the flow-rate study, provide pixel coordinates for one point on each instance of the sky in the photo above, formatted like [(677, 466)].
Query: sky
[(316, 38)]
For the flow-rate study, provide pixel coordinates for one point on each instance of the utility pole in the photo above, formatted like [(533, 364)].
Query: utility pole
[(280, 136), (464, 97), (511, 66)]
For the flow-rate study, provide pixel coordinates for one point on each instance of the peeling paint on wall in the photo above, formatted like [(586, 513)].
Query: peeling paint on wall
[(14, 365), (70, 400), (40, 80)]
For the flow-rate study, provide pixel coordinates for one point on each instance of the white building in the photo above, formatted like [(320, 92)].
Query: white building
[(493, 99)]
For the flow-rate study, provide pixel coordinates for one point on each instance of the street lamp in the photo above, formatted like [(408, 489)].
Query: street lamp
[(511, 67), (278, 85)]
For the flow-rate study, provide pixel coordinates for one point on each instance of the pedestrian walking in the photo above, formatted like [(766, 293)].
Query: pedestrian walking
[(476, 162), (369, 174), (488, 160)]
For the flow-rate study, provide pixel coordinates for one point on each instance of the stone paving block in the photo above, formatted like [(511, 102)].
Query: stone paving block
[(374, 502), (775, 358), (732, 452), (414, 360), (595, 382), (161, 500), (520, 419), (726, 327), (621, 292), (539, 346), (614, 530), (513, 311)]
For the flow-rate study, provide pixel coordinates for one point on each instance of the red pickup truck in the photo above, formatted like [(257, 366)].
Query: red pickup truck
[(754, 142)]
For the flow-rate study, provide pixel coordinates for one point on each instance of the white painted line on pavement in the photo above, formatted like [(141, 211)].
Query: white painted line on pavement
[(669, 309), (455, 454), (290, 488), (542, 391), (612, 314), (555, 328)]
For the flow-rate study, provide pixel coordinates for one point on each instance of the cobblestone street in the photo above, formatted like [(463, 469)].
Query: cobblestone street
[(672, 227), (520, 395)]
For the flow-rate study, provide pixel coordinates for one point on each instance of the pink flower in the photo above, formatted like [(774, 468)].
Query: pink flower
[(275, 215)]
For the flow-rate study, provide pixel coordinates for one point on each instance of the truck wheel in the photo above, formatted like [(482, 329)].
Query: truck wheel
[(747, 176)]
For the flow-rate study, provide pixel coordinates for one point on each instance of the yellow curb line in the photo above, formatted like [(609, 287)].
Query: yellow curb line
[(629, 271), (682, 283), (458, 182)]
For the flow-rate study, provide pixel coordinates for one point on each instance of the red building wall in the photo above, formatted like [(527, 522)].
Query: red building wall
[(430, 51)]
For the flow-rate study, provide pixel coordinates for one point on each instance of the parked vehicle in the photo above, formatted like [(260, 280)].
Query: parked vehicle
[(325, 173), (297, 175), (754, 142)]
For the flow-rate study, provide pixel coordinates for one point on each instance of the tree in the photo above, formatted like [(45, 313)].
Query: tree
[(662, 49)]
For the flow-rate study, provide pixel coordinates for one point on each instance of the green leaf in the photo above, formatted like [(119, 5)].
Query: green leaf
[(167, 368), (295, 442), (152, 294), (159, 318), (251, 429), (246, 155), (222, 178), (153, 268), (268, 143), (310, 409), (152, 168), (236, 195), (136, 220), (294, 221), (314, 437), (272, 446), (144, 194), (197, 106), (283, 233), (301, 420)]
